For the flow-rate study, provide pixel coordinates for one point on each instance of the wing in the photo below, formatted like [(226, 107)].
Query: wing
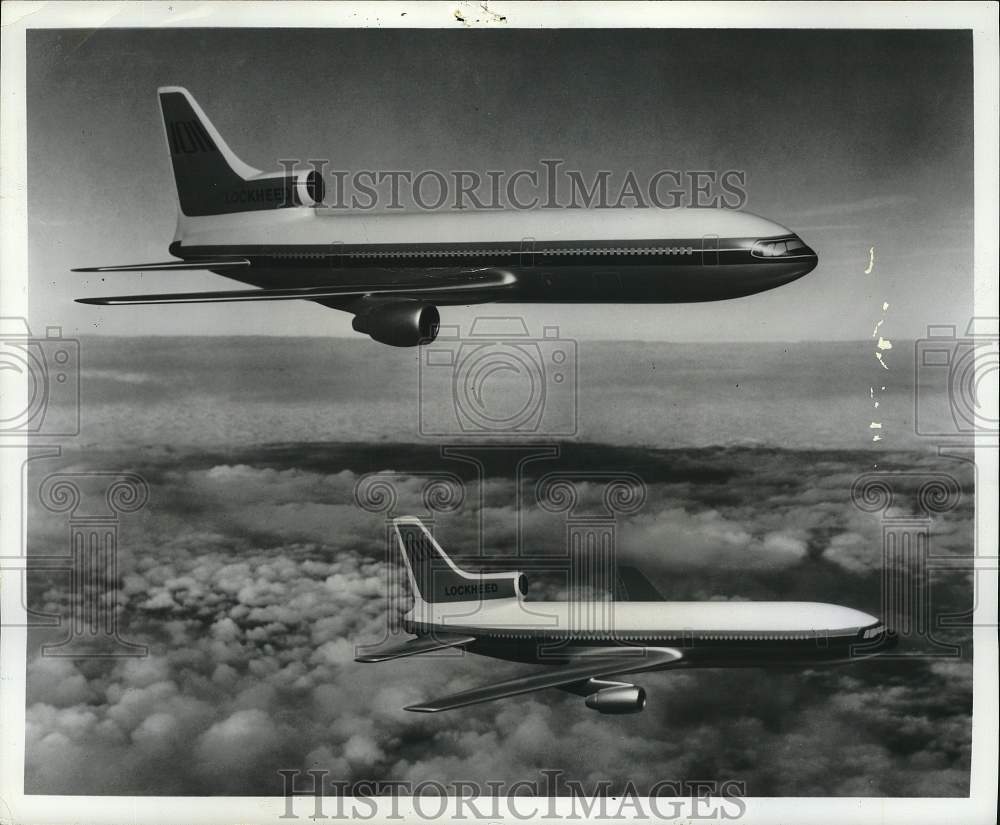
[(472, 281), (413, 647), (586, 667), (635, 587), (167, 266)]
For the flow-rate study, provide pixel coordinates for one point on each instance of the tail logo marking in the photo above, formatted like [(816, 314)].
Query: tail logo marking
[(472, 589), (188, 137), (274, 194), (435, 578)]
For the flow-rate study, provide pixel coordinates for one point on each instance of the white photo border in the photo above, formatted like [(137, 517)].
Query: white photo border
[(18, 17)]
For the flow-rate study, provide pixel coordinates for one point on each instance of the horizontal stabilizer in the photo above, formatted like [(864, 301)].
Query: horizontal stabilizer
[(429, 286), (586, 667), (415, 646), (167, 266)]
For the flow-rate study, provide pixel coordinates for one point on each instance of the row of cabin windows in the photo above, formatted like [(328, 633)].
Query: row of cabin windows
[(449, 253), (753, 637)]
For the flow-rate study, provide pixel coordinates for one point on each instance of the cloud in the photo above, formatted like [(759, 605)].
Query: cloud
[(245, 736), (254, 579)]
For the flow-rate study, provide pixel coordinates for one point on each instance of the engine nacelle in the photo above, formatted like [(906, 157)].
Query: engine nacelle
[(400, 324), (621, 699), (309, 188)]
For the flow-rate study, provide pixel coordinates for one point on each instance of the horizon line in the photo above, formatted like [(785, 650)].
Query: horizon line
[(355, 338)]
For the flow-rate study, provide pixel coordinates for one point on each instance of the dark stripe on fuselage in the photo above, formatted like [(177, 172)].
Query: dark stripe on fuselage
[(613, 271), (527, 253), (700, 648)]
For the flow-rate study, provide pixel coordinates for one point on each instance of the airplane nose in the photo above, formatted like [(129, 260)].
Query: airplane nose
[(809, 259), (800, 258)]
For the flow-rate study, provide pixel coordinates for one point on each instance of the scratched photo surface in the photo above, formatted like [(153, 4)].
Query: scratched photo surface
[(252, 575)]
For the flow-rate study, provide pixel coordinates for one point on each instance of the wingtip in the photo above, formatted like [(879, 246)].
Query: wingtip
[(91, 301), (421, 709)]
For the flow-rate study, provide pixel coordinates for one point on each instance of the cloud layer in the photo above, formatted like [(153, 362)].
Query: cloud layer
[(253, 577)]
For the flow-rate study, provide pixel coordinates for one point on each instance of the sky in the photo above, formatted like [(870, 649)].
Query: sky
[(854, 139), (225, 391)]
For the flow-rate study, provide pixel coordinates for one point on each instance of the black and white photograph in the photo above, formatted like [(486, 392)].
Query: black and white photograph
[(499, 411)]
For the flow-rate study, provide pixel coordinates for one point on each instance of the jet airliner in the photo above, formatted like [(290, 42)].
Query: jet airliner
[(392, 271), (486, 613)]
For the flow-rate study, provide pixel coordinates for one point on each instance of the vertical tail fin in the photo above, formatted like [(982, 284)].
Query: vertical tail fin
[(210, 179), (435, 578)]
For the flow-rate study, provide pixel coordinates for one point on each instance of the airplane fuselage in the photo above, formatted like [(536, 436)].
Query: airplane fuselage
[(709, 634), (587, 644), (562, 256)]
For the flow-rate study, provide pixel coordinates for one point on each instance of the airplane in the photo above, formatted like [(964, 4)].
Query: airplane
[(487, 614), (393, 270)]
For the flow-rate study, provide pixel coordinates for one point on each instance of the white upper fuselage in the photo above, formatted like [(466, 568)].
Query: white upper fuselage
[(311, 226), (645, 619)]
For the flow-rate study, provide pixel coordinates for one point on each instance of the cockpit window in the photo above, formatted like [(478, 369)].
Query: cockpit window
[(779, 249)]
